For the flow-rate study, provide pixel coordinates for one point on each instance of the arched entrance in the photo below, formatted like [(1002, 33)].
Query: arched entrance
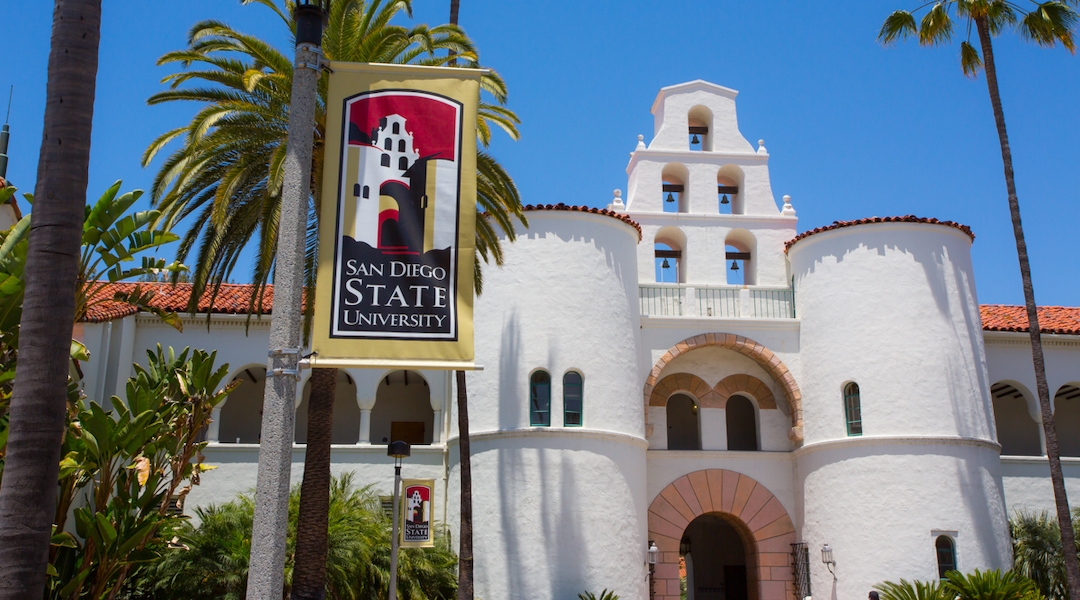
[(710, 506)]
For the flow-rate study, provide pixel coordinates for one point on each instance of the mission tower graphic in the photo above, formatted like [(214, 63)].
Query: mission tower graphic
[(398, 206)]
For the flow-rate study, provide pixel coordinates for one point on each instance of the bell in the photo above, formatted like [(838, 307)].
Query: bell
[(670, 198), (695, 140), (734, 265), (724, 200), (665, 265)]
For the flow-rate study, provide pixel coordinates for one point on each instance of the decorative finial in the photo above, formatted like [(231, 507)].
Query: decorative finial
[(616, 202), (788, 210), (640, 142), (761, 147)]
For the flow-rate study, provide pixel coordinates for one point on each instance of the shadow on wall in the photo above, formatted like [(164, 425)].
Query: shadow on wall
[(512, 393), (575, 230), (943, 283), (566, 514)]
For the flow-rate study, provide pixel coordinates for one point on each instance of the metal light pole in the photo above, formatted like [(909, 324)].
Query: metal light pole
[(267, 561), (398, 450)]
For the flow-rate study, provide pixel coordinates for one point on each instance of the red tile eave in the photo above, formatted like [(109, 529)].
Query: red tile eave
[(586, 209), (1061, 320), (903, 219), (233, 299)]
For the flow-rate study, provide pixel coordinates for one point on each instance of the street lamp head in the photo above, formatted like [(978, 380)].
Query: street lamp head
[(826, 555), (399, 449), (654, 553), (310, 16)]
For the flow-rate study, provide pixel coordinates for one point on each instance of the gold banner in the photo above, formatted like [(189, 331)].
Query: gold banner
[(417, 502), (394, 286)]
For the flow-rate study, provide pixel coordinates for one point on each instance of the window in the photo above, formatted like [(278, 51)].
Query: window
[(403, 163), (389, 145), (683, 430), (540, 399), (571, 394), (946, 555), (396, 128), (853, 409), (401, 146), (385, 160), (741, 424)]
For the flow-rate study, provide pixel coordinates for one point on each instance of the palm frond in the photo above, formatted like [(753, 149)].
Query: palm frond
[(936, 26), (898, 26), (1050, 23), (970, 60)]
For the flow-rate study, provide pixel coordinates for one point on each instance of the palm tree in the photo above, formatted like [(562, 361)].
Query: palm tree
[(228, 173), (1046, 24), (39, 401), (1037, 552)]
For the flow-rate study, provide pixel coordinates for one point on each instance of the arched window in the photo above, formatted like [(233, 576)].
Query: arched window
[(367, 191), (946, 555), (683, 432), (403, 163), (389, 144), (1017, 431), (241, 415), (853, 409), (385, 160), (741, 424), (572, 389), (401, 146), (1067, 419), (396, 128), (402, 410), (540, 399)]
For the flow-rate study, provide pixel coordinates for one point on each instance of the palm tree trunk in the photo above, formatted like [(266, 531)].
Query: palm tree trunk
[(465, 549), (455, 5), (39, 400), (309, 570), (1072, 566)]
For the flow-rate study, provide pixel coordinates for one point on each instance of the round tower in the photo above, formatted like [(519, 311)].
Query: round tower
[(899, 470), (557, 431)]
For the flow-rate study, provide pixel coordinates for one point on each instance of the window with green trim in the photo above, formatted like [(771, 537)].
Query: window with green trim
[(946, 555), (853, 409), (540, 399), (572, 389)]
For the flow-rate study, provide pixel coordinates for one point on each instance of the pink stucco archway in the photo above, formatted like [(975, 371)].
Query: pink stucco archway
[(760, 519)]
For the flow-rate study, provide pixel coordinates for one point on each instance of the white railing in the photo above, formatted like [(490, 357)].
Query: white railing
[(730, 302)]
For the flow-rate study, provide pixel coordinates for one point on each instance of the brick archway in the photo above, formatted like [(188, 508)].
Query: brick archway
[(760, 519), (747, 347), (714, 397)]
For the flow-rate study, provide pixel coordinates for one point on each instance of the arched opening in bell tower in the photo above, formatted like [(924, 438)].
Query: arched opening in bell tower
[(698, 121), (674, 189)]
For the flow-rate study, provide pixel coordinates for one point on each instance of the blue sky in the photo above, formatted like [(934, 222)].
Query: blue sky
[(853, 129)]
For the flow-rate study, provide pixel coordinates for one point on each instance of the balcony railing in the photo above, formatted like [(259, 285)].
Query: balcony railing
[(729, 302)]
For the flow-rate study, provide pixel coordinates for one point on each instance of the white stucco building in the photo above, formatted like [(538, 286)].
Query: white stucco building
[(685, 368)]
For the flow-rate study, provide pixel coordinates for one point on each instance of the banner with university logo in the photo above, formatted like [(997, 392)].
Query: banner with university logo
[(394, 283), (417, 496)]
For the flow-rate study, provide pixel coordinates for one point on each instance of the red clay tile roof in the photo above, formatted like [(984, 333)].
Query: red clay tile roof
[(232, 299), (587, 209), (903, 219), (1052, 319)]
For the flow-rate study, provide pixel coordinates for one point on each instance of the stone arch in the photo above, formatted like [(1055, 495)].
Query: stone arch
[(686, 383), (759, 517), (749, 348), (734, 384)]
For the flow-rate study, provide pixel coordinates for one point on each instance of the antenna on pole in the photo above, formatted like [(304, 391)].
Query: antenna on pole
[(5, 133)]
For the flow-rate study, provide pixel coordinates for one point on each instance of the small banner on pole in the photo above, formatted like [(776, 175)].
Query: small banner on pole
[(418, 496), (397, 218)]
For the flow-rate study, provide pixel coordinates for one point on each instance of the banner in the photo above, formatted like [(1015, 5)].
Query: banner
[(394, 285), (417, 497)]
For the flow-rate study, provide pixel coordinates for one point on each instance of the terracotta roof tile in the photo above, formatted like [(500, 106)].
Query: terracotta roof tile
[(1052, 319), (903, 219), (587, 209), (232, 299)]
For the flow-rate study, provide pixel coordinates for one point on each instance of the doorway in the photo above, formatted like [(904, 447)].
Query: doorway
[(715, 558)]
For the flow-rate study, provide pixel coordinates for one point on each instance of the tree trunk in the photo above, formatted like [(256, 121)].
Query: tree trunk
[(39, 400), (465, 550), (455, 5), (309, 570), (1072, 566)]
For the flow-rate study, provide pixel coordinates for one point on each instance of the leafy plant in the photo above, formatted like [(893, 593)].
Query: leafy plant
[(210, 560), (131, 465), (604, 595), (1037, 553), (990, 585), (912, 590)]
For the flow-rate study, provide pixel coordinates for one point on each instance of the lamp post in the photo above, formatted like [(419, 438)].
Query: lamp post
[(267, 561), (399, 450), (650, 557)]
